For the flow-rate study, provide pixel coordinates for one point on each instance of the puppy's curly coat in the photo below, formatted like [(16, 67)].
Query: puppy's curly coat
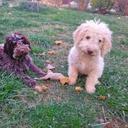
[(92, 41)]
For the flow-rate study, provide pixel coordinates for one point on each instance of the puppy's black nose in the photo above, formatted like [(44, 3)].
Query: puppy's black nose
[(89, 52)]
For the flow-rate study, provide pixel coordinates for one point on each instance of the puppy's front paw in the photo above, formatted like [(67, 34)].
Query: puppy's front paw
[(72, 81), (90, 89)]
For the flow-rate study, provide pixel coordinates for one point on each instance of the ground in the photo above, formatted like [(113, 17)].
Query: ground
[(61, 106)]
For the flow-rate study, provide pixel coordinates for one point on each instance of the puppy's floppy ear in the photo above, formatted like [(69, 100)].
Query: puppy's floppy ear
[(79, 33), (107, 44)]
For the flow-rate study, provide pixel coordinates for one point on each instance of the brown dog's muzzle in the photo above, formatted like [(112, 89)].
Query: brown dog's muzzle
[(21, 50)]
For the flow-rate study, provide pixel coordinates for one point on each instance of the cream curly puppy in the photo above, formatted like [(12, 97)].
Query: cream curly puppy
[(92, 41)]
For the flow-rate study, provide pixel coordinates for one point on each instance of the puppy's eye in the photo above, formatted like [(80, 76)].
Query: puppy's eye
[(88, 37), (100, 41)]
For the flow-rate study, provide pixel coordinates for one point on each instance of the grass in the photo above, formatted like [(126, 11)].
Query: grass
[(61, 106)]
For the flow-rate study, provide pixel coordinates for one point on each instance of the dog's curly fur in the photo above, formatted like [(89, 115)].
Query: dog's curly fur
[(92, 41), (15, 58)]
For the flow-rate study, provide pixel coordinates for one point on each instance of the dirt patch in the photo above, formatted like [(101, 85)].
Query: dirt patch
[(116, 123)]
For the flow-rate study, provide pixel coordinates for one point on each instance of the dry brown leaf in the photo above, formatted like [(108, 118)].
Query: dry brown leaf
[(64, 80), (51, 52), (41, 54), (78, 89), (50, 67), (49, 62), (9, 13), (102, 98), (59, 42), (40, 88)]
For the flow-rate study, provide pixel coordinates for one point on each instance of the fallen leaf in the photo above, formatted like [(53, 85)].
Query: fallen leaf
[(40, 88), (51, 52), (9, 13), (41, 54), (50, 67), (59, 42), (64, 80), (48, 62), (78, 89), (102, 97)]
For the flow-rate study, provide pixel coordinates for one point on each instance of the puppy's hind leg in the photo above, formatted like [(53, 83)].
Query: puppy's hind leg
[(73, 74)]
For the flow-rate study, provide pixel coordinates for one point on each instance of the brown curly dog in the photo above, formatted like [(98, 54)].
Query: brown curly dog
[(15, 58)]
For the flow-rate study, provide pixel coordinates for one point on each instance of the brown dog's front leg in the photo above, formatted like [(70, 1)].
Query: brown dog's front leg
[(30, 82), (27, 80), (37, 70), (33, 67)]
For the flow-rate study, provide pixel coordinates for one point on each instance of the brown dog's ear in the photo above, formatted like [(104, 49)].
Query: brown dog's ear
[(26, 41), (11, 42), (9, 46), (107, 45), (79, 33)]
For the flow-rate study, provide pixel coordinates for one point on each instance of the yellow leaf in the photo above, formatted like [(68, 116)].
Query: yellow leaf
[(102, 98), (78, 89), (51, 52), (40, 88), (59, 42), (64, 80)]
